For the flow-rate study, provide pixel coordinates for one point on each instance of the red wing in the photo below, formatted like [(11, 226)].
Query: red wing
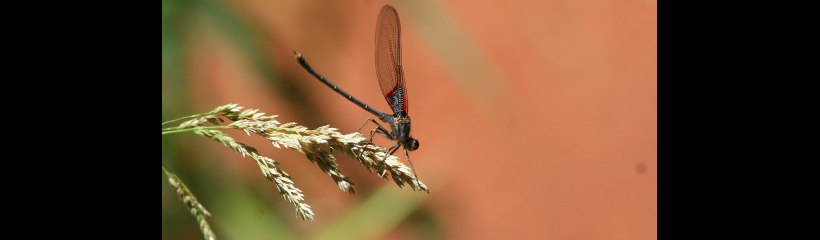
[(388, 59)]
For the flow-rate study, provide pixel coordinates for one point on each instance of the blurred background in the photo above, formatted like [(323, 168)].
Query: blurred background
[(536, 119)]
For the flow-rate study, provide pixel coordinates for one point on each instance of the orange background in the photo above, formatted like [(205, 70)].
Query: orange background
[(536, 119)]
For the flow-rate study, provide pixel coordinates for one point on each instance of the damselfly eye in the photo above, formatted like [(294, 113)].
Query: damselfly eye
[(415, 145)]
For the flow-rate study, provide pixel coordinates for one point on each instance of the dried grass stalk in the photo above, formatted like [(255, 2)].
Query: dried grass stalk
[(188, 198), (270, 169), (318, 146)]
